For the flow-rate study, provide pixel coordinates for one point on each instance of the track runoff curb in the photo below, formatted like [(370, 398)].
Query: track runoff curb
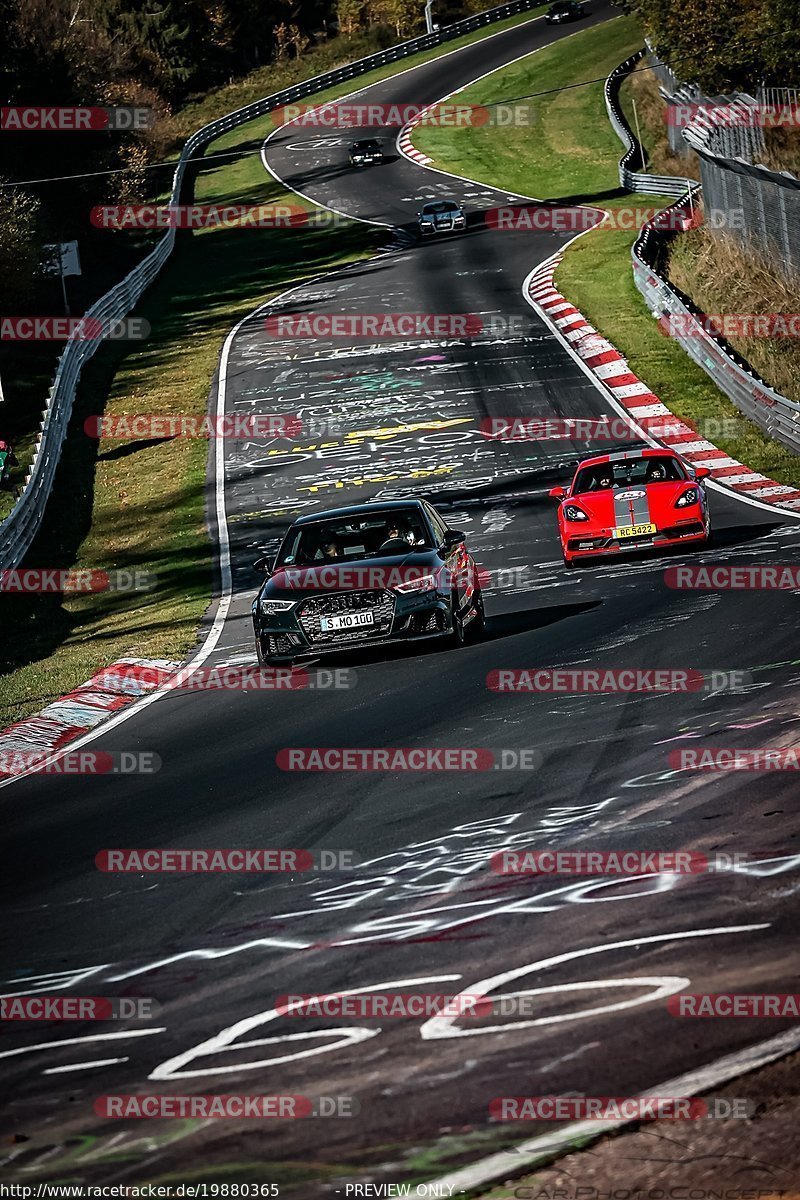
[(108, 692)]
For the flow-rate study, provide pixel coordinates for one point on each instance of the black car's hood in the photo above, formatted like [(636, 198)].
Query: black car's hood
[(295, 583)]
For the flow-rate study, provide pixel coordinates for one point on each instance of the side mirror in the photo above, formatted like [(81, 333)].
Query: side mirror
[(702, 472), (264, 564), (453, 537), (557, 493)]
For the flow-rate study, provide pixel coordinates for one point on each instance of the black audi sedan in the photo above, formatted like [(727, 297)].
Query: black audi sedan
[(349, 578), (565, 10)]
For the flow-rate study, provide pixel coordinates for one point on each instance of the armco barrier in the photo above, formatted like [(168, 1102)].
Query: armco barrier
[(775, 414), (630, 174), (18, 530)]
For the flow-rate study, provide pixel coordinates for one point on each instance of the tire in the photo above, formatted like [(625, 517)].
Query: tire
[(458, 636), (569, 564), (709, 532), (476, 630)]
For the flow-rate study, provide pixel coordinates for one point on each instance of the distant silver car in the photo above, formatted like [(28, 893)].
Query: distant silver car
[(441, 216)]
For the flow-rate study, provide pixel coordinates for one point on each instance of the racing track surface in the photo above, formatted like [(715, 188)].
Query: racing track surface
[(423, 910)]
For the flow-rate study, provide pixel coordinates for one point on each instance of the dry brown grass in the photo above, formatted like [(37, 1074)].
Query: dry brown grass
[(782, 151), (722, 275), (642, 87)]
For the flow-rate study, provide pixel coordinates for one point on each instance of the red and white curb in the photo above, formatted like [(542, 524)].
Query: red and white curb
[(80, 711), (607, 364), (408, 149)]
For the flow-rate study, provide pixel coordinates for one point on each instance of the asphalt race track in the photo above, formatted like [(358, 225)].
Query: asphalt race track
[(422, 910)]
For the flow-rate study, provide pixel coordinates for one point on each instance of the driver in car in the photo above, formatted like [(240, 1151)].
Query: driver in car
[(397, 533), (656, 472), (603, 481)]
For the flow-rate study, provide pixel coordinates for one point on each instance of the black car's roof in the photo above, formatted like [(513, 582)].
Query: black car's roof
[(366, 142), (358, 510)]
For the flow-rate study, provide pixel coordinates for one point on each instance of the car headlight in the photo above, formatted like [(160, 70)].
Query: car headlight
[(573, 513), (424, 583), (686, 498), (269, 606)]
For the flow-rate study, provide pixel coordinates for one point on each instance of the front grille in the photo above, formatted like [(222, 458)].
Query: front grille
[(380, 602), (284, 643)]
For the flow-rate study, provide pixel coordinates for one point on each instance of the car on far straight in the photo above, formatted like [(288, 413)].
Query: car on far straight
[(377, 573), (441, 216), (631, 500), (366, 153), (565, 10)]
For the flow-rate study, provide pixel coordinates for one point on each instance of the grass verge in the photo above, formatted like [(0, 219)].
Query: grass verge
[(568, 150), (571, 153)]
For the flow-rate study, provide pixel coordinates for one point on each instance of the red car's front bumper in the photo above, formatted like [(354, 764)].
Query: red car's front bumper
[(575, 545)]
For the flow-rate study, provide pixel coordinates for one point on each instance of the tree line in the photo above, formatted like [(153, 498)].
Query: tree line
[(725, 45)]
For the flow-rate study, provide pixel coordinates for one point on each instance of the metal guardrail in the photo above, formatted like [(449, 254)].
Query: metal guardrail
[(18, 530), (775, 414), (631, 175)]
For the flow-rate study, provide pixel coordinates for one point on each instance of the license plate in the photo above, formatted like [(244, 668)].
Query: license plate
[(628, 531), (346, 621)]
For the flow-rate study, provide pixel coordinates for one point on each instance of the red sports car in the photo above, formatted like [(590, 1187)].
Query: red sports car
[(631, 500)]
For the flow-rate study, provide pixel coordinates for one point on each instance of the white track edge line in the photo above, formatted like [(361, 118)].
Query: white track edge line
[(547, 1146)]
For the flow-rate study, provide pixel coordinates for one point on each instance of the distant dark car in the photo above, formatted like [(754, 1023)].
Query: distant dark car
[(372, 574), (364, 154), (565, 10), (441, 216)]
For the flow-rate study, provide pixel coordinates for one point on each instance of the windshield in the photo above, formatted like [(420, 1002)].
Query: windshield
[(441, 206), (626, 473), (356, 537), (372, 145)]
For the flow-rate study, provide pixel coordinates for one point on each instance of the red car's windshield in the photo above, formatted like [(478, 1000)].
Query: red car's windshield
[(628, 472)]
